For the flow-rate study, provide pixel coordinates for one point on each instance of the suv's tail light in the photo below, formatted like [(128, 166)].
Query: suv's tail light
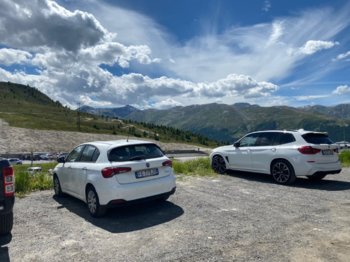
[(111, 171), (9, 181), (308, 150), (167, 163)]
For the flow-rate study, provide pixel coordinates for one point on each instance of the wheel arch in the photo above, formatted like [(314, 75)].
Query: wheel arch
[(281, 159)]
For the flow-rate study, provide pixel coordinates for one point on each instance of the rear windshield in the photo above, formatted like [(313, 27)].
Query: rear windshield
[(314, 138), (134, 152)]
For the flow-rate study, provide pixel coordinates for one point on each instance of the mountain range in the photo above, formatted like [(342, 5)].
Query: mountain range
[(226, 123)]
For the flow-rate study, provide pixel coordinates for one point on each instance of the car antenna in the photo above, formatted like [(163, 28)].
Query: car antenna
[(127, 139)]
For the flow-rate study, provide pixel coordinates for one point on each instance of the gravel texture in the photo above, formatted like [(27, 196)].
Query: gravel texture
[(23, 140), (236, 217)]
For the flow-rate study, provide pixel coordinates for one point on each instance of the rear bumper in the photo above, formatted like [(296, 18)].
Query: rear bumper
[(123, 202), (135, 191), (333, 172), (309, 169)]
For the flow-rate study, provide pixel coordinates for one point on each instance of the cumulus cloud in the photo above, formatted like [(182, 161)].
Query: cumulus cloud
[(72, 48), (44, 23), (9, 56), (313, 46), (342, 90)]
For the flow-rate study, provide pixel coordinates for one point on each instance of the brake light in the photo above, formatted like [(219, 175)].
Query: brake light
[(111, 171), (167, 163), (308, 150), (9, 181)]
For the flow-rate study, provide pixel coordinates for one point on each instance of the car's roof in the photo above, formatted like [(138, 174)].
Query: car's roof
[(300, 131), (116, 143)]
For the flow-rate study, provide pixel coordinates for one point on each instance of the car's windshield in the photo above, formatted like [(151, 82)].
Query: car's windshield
[(134, 152), (317, 138)]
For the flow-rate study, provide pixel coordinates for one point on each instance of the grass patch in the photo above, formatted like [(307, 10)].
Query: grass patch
[(197, 167), (344, 157), (26, 182)]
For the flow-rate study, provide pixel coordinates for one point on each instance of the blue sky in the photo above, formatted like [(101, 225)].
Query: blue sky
[(164, 53)]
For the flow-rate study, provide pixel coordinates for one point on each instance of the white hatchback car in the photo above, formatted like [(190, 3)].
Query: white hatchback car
[(283, 154), (111, 173)]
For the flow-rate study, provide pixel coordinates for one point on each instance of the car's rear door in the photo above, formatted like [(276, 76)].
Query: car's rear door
[(263, 151), (81, 168)]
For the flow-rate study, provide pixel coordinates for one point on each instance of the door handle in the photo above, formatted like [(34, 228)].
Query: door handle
[(273, 149), (84, 168)]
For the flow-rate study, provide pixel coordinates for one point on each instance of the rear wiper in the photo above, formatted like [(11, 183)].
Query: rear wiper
[(137, 158)]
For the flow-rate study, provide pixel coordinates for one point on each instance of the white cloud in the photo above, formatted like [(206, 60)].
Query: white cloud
[(266, 6), (238, 64), (86, 100), (310, 97), (313, 46), (10, 56), (167, 103), (342, 90), (343, 56)]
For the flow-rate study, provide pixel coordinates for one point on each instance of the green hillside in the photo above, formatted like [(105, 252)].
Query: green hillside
[(24, 106), (229, 122)]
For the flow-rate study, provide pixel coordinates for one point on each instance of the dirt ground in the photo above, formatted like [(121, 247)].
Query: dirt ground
[(235, 217), (22, 140)]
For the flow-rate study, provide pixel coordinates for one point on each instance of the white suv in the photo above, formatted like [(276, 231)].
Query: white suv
[(283, 154), (112, 173)]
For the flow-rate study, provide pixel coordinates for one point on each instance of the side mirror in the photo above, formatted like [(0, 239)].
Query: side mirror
[(61, 159), (236, 144)]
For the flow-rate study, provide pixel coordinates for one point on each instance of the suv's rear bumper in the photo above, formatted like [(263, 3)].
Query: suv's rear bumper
[(333, 172), (6, 205)]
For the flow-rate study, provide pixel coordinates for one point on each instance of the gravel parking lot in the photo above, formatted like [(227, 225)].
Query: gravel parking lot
[(236, 217)]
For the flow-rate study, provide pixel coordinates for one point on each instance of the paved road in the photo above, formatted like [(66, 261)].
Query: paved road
[(236, 217)]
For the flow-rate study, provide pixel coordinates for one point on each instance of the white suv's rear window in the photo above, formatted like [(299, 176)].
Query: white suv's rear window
[(134, 152), (317, 138)]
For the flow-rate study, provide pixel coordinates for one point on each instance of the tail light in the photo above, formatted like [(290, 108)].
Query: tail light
[(9, 181), (308, 150), (167, 163), (111, 171)]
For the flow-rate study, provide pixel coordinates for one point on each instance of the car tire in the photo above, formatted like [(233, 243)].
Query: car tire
[(218, 164), (282, 172), (6, 223), (316, 177), (57, 186), (93, 203)]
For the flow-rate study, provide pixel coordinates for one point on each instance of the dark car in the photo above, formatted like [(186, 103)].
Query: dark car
[(7, 196)]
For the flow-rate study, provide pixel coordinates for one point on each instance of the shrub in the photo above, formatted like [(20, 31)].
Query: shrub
[(26, 182), (199, 167), (344, 157)]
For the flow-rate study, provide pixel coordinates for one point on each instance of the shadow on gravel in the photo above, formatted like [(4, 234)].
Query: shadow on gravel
[(327, 184), (125, 219), (4, 251)]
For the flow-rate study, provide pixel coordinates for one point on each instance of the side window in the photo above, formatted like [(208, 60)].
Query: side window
[(89, 154), (265, 139), (248, 140), (74, 156), (286, 138)]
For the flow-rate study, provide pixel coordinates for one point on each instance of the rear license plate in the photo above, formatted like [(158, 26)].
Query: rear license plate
[(146, 173), (327, 152)]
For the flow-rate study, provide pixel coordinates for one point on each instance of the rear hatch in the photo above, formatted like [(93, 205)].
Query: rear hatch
[(137, 163), (321, 147)]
